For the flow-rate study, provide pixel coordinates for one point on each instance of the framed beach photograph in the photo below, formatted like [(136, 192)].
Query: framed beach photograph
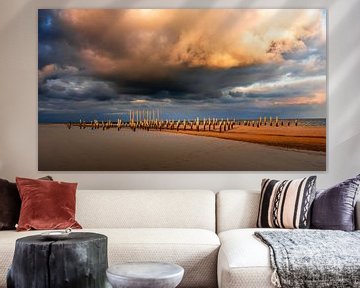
[(182, 89)]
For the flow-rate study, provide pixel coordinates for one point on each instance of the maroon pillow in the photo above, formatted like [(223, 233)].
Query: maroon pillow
[(46, 204), (10, 204)]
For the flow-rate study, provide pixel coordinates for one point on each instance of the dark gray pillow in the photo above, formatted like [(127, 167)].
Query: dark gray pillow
[(9, 205), (334, 208)]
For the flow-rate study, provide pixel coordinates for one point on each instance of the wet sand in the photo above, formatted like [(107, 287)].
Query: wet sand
[(61, 149), (294, 137)]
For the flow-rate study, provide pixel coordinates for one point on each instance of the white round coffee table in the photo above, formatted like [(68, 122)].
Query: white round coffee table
[(145, 275)]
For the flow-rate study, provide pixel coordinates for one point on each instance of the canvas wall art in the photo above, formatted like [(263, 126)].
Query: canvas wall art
[(182, 89)]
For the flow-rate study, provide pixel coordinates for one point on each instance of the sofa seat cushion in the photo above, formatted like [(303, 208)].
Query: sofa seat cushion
[(194, 249), (244, 261)]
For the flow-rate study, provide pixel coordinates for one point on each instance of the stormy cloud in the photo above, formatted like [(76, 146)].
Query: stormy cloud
[(236, 63)]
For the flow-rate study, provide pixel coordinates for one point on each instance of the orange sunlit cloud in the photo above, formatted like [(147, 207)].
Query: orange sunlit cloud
[(217, 38), (315, 99)]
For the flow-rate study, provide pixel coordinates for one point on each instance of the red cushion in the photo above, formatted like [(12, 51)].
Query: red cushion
[(46, 204)]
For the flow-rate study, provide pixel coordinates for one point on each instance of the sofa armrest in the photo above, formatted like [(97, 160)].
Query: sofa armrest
[(357, 215)]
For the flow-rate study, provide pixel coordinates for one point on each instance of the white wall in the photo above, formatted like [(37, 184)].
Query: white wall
[(18, 96)]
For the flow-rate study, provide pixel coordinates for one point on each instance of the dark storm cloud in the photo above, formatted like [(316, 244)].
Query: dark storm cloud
[(54, 42), (77, 89), (196, 83)]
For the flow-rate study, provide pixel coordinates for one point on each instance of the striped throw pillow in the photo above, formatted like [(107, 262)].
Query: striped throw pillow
[(286, 204)]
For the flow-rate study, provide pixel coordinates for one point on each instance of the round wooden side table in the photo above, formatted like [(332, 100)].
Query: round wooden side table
[(78, 261), (145, 275)]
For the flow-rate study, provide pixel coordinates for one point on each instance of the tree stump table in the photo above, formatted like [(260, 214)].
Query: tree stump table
[(78, 261)]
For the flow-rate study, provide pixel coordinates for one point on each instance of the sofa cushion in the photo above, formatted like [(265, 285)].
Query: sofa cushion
[(46, 204), (286, 204), (194, 249), (236, 209), (334, 208), (244, 261), (10, 204), (146, 209)]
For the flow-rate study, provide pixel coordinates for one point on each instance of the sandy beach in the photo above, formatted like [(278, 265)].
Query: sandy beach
[(294, 137), (62, 149)]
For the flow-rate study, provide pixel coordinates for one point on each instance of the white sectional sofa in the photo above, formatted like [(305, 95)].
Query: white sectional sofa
[(243, 261), (177, 226)]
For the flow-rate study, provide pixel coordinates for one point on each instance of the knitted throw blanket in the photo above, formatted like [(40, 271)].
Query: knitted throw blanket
[(313, 258)]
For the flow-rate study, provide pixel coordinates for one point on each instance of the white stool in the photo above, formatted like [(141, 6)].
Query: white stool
[(145, 275)]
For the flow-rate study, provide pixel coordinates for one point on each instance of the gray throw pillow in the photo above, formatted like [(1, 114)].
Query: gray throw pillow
[(334, 208)]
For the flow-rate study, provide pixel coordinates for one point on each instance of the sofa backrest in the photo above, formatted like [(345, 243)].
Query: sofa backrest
[(146, 209), (239, 209), (236, 209)]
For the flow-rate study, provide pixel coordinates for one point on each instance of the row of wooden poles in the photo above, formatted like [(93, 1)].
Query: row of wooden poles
[(197, 125), (271, 122), (147, 123)]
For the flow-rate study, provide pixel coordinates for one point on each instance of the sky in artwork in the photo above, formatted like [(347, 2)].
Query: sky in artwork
[(222, 63)]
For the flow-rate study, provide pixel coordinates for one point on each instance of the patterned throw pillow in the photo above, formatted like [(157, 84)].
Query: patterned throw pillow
[(286, 204)]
